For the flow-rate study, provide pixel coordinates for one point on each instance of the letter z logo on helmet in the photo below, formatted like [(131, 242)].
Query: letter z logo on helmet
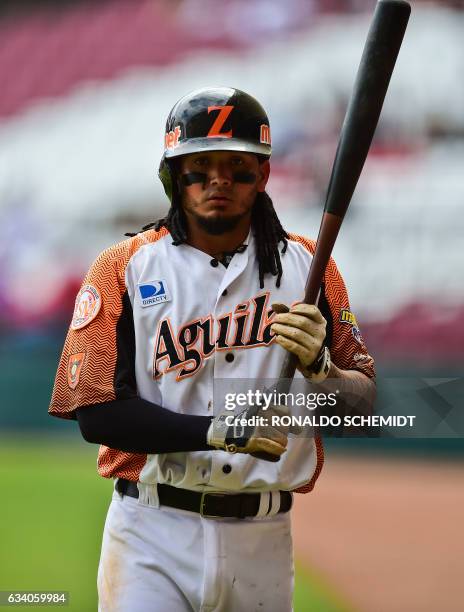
[(224, 112)]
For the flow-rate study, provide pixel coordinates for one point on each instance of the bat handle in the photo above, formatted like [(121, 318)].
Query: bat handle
[(287, 373), (328, 233)]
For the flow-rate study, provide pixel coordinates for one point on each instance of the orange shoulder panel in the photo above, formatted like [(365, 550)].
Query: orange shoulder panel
[(86, 368)]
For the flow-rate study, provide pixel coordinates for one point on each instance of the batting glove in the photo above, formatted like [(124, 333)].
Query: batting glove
[(302, 330), (263, 436)]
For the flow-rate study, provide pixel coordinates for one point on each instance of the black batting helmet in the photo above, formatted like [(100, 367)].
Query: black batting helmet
[(213, 119)]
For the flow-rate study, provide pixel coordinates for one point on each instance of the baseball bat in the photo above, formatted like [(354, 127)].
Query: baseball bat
[(381, 50), (378, 60)]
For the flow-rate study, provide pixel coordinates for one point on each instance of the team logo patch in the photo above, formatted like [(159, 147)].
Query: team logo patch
[(88, 302), (346, 316), (74, 368), (154, 292)]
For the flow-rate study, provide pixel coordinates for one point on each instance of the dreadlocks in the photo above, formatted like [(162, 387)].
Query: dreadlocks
[(265, 224), (268, 232)]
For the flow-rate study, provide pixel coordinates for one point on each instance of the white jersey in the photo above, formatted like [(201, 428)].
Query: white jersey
[(165, 322)]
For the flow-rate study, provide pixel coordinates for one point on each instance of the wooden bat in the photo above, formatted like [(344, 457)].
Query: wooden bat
[(362, 115), (375, 69)]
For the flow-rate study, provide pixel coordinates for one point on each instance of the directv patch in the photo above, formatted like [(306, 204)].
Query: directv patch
[(153, 293)]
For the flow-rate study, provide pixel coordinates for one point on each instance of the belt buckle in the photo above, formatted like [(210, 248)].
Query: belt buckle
[(203, 504)]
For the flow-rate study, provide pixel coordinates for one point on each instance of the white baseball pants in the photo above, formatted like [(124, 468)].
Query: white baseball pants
[(160, 559)]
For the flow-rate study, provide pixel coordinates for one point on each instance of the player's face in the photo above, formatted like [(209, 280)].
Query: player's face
[(219, 188)]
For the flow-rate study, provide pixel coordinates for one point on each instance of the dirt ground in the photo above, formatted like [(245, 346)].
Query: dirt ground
[(385, 533)]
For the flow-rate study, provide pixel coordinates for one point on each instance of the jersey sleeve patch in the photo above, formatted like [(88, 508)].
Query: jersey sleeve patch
[(75, 363), (87, 306), (346, 316)]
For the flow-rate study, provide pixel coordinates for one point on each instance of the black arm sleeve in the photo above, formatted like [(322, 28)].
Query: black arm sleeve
[(137, 426)]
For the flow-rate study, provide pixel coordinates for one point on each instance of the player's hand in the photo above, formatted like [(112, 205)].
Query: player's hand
[(302, 330), (264, 437)]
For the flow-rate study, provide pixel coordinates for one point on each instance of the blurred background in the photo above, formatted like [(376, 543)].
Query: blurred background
[(85, 88)]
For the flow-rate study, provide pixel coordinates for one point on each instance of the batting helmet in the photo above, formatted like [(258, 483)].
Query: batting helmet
[(213, 119)]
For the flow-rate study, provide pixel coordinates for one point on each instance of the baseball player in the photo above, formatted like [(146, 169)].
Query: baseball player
[(199, 518)]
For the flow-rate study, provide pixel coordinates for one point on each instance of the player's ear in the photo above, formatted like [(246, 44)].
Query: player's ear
[(263, 177)]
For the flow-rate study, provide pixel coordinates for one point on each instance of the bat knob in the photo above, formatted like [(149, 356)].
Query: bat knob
[(279, 308)]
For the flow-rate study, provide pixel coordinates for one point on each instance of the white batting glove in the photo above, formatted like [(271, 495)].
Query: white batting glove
[(302, 330)]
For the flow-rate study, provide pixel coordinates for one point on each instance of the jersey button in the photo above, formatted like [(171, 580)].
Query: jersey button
[(214, 263), (230, 357), (224, 292), (227, 469)]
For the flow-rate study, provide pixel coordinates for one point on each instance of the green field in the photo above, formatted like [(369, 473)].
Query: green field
[(51, 519)]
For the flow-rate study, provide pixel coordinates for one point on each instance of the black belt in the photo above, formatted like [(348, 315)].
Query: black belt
[(212, 505)]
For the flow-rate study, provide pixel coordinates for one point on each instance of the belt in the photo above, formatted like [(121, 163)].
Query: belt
[(212, 505)]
